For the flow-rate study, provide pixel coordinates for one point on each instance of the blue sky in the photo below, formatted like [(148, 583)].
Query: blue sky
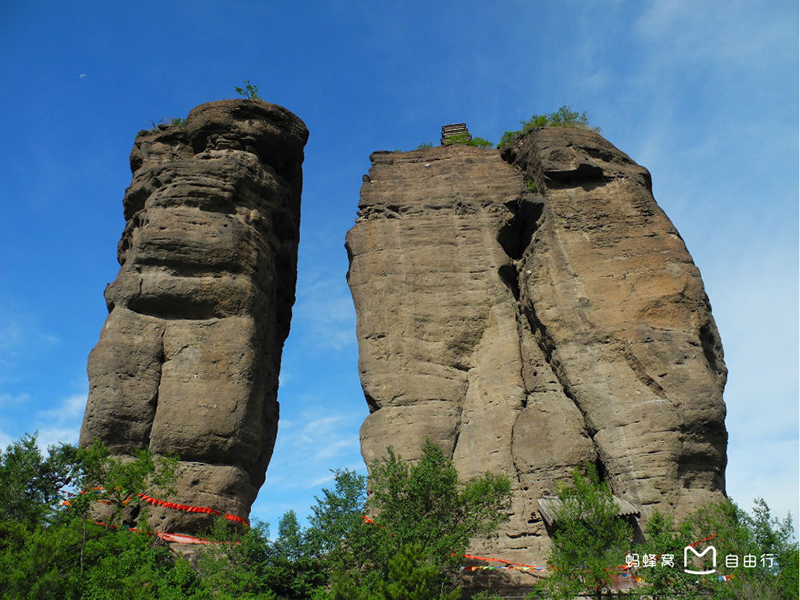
[(704, 94)]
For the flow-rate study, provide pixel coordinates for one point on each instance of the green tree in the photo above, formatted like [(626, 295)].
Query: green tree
[(49, 550), (422, 506), (590, 540), (411, 577), (338, 514), (30, 484), (563, 117), (769, 542), (234, 566)]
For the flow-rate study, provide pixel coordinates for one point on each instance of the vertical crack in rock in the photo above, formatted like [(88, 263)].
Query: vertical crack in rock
[(188, 359)]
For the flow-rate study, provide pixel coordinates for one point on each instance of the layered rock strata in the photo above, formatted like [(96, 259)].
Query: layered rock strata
[(531, 310), (188, 358)]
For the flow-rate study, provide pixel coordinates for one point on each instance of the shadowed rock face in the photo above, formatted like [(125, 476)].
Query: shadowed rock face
[(188, 359), (530, 311)]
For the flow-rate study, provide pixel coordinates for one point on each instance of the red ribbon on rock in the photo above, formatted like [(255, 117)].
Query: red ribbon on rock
[(189, 508), (173, 506), (175, 538)]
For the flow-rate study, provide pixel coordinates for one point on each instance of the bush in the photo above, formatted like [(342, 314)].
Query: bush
[(508, 137), (51, 550), (249, 91), (464, 139), (563, 117)]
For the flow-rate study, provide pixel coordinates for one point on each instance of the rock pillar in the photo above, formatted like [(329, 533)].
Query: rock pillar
[(530, 310), (188, 358)]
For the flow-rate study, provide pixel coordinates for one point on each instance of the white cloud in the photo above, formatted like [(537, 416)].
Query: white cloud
[(5, 440), (50, 436), (70, 410)]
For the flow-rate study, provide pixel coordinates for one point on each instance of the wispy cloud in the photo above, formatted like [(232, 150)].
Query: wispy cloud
[(315, 443), (5, 440), (702, 31), (325, 317), (9, 400)]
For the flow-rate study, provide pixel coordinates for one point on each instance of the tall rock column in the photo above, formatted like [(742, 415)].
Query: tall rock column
[(532, 310), (188, 358)]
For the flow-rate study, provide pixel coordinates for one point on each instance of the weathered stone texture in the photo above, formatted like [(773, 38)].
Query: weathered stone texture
[(188, 359), (532, 310)]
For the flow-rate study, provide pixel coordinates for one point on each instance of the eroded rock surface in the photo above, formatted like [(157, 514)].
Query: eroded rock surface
[(188, 359), (531, 310)]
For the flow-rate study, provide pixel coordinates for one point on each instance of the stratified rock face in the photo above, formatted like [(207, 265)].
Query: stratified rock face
[(188, 359), (530, 311)]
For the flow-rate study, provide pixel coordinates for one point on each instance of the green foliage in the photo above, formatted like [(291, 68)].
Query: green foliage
[(532, 187), (464, 139), (424, 146), (423, 506), (249, 91), (48, 550), (47, 563), (162, 124), (30, 484), (425, 517), (479, 142), (458, 139), (563, 117), (508, 137), (338, 514), (734, 533), (590, 541), (234, 567), (118, 480), (413, 578)]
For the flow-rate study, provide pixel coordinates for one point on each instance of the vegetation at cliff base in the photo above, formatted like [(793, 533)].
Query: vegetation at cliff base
[(757, 554), (406, 540), (422, 519)]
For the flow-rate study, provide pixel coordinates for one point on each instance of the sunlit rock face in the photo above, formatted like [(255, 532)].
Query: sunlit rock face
[(530, 310), (188, 359)]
